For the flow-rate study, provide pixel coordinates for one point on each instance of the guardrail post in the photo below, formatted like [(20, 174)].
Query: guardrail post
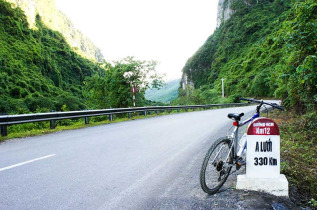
[(110, 115), (52, 122), (86, 120), (177, 110), (157, 112), (129, 115), (4, 128), (145, 113), (186, 109)]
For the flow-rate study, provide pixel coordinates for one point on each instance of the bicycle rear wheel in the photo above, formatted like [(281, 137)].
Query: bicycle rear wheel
[(216, 169)]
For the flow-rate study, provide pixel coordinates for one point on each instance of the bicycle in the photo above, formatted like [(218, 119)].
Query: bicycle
[(223, 154)]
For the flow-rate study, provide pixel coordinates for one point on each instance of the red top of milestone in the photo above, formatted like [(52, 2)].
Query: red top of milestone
[(263, 126)]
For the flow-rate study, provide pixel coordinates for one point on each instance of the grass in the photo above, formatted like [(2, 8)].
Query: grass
[(41, 128), (299, 155)]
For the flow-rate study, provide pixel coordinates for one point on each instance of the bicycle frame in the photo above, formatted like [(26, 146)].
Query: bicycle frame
[(234, 136)]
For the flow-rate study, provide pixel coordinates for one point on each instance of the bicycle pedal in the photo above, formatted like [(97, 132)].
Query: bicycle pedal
[(239, 162)]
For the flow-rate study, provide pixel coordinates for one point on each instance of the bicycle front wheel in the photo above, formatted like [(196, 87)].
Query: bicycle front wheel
[(216, 166)]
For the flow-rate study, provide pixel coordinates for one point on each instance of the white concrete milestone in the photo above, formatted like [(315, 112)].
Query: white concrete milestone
[(263, 159)]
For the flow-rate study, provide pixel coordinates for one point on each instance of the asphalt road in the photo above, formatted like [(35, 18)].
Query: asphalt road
[(152, 163)]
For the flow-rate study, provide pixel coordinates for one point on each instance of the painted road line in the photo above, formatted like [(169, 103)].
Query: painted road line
[(26, 162)]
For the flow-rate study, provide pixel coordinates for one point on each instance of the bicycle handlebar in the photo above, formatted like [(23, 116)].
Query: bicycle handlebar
[(263, 102)]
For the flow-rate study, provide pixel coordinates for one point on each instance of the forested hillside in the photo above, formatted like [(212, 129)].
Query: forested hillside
[(58, 21), (165, 94), (38, 69), (266, 49)]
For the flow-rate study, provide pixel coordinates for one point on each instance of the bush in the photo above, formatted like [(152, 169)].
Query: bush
[(298, 152)]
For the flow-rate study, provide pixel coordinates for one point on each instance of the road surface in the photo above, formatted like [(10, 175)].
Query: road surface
[(152, 163)]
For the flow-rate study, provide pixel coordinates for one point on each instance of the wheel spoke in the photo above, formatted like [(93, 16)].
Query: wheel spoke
[(218, 153), (215, 168)]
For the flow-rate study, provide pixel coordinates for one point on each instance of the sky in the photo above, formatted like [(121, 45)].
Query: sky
[(168, 31)]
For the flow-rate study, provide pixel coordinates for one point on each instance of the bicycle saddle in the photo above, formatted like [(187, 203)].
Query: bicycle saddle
[(235, 116)]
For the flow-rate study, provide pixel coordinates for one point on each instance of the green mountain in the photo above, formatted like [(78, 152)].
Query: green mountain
[(262, 48), (166, 94), (39, 71), (58, 21)]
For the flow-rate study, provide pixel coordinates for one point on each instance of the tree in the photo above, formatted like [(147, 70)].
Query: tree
[(113, 89)]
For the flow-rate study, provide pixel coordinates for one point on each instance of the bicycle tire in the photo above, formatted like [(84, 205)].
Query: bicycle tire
[(205, 184)]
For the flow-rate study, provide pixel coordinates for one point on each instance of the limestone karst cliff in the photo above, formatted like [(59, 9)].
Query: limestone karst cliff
[(223, 14), (56, 20), (224, 11)]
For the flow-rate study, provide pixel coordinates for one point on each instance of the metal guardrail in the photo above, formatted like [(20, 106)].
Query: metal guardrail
[(7, 120)]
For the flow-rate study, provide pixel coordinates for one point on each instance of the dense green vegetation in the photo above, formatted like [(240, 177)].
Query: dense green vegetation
[(299, 155), (38, 69), (265, 49), (114, 88), (165, 94)]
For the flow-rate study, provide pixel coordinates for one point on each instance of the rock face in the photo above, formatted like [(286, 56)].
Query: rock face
[(186, 81), (224, 11), (56, 20)]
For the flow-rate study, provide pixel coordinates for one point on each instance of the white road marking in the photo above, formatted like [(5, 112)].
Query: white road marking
[(26, 162)]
